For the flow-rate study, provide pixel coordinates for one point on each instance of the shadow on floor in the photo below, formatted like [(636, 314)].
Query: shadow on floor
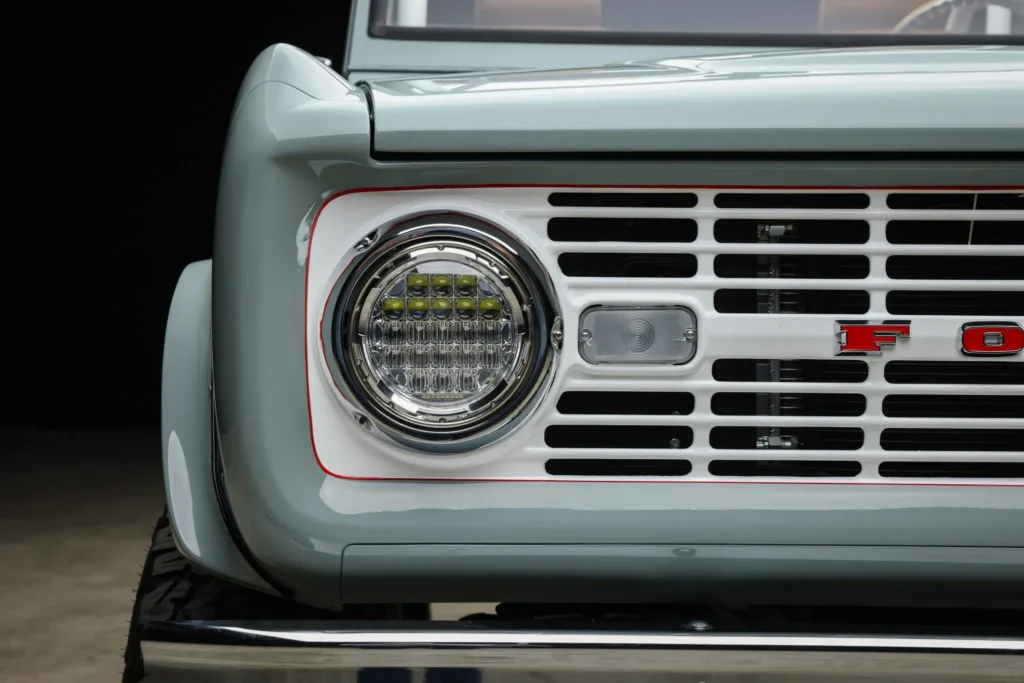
[(76, 512)]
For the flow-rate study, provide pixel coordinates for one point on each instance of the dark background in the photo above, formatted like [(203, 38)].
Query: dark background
[(120, 195)]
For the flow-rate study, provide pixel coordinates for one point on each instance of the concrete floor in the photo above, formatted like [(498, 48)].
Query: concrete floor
[(76, 514), (76, 511)]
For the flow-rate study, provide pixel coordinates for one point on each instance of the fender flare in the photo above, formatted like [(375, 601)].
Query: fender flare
[(186, 430)]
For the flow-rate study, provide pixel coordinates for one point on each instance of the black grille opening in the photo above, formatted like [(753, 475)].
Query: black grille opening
[(625, 403), (955, 268), (808, 438), (622, 229), (629, 265), (957, 201), (814, 405), (953, 372), (654, 200), (744, 231), (562, 467), (811, 266), (618, 436), (911, 302), (912, 405), (953, 470), (791, 200), (784, 468), (746, 370), (955, 232), (913, 439), (812, 301)]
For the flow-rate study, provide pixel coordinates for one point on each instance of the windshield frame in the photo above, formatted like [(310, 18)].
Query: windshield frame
[(376, 47)]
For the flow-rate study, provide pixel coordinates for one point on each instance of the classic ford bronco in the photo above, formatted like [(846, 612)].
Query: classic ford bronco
[(705, 312)]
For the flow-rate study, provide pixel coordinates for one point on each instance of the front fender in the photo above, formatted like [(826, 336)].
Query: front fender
[(187, 433)]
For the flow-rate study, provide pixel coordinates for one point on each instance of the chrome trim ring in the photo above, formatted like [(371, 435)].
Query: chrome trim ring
[(495, 412)]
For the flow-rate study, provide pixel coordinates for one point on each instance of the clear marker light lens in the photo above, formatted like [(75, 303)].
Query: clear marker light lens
[(657, 335)]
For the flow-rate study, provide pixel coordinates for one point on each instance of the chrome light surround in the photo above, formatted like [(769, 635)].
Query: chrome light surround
[(386, 256)]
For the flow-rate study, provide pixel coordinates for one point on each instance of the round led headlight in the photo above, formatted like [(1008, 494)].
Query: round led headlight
[(442, 333)]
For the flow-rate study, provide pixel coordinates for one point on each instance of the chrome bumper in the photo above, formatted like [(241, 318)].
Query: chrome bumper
[(439, 652)]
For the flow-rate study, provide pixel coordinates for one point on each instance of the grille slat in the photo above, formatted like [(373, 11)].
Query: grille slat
[(953, 439), (918, 411), (822, 438), (783, 418), (952, 407), (785, 468), (952, 470), (957, 201), (674, 200), (817, 301), (952, 302), (973, 233), (803, 232), (792, 200), (666, 230), (808, 405), (619, 436), (955, 372), (955, 267), (745, 370), (629, 265), (625, 403), (818, 266)]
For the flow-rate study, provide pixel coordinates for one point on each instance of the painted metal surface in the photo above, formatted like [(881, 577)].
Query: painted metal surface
[(872, 99), (299, 136), (474, 653), (187, 432)]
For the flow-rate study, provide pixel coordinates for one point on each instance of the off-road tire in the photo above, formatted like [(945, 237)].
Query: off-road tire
[(171, 590)]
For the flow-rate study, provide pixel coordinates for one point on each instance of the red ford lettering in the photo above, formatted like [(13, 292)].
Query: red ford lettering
[(866, 338), (991, 339)]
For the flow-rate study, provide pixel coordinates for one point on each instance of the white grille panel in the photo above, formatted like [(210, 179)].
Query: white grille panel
[(831, 443), (854, 446)]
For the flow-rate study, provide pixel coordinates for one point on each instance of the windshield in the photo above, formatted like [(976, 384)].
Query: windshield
[(636, 21)]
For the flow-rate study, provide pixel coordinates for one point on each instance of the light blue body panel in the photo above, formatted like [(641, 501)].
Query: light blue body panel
[(187, 432), (858, 100), (298, 136)]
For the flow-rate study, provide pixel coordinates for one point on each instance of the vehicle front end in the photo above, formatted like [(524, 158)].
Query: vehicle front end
[(743, 329)]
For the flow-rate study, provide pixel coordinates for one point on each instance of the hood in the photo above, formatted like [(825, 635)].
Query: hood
[(956, 99)]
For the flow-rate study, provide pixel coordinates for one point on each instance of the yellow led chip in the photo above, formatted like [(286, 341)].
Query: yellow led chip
[(466, 308), (394, 308), (490, 309), (441, 284), (418, 308), (417, 284), (465, 284), (442, 308)]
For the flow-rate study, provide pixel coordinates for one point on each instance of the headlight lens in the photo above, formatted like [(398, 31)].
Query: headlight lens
[(441, 353), (442, 333)]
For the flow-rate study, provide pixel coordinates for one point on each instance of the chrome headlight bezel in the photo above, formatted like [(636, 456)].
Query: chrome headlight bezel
[(484, 247)]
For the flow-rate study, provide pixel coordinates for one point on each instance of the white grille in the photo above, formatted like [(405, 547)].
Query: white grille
[(937, 258)]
